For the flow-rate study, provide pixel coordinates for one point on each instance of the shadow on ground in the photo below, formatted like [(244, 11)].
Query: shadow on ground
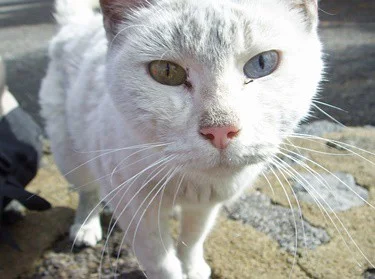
[(16, 13), (24, 78)]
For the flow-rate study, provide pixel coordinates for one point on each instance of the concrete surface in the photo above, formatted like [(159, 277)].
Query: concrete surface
[(338, 192), (279, 222), (235, 249)]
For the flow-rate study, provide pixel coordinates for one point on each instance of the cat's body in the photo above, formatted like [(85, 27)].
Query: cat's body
[(98, 101)]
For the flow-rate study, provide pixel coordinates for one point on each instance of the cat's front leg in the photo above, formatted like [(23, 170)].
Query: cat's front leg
[(147, 232), (87, 230), (195, 226)]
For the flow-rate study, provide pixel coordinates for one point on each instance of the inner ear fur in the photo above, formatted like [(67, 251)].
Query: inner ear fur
[(115, 11), (309, 10)]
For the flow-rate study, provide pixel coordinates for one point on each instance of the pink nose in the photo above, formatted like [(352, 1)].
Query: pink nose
[(220, 136)]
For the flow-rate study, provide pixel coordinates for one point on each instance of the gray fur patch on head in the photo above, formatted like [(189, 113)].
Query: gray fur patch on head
[(208, 34), (215, 117), (187, 29), (309, 11)]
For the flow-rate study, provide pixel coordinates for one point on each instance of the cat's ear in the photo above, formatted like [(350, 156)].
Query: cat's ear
[(115, 12), (309, 10)]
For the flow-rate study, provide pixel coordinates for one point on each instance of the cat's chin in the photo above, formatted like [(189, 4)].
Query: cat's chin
[(227, 164), (226, 160)]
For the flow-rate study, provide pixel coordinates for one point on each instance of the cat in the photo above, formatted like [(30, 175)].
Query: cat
[(152, 105)]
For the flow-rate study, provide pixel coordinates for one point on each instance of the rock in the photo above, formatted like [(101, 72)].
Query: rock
[(369, 274), (337, 193), (277, 222), (238, 251), (64, 262), (34, 234), (38, 231), (319, 128), (351, 244)]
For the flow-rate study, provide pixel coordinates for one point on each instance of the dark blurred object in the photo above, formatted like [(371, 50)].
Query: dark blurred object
[(347, 11), (348, 32), (21, 12), (20, 152)]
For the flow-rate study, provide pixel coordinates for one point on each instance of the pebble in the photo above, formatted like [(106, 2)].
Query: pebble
[(338, 191), (278, 222)]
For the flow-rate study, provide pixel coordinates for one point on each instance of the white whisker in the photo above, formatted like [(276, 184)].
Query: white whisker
[(113, 191), (340, 144), (140, 206), (328, 115), (280, 164), (269, 183), (160, 204), (131, 155), (177, 190), (97, 157), (160, 163), (317, 151), (328, 105), (336, 216), (294, 221), (121, 148), (335, 176)]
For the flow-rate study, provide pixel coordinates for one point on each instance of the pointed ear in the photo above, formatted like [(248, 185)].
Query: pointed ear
[(309, 10), (115, 12)]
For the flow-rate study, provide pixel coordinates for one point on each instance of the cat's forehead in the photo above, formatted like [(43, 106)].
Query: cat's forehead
[(207, 31), (210, 34)]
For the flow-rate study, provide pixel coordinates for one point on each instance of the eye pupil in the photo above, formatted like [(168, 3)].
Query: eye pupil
[(168, 70), (167, 73), (261, 62)]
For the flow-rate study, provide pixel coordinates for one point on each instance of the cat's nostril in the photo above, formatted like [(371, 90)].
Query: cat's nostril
[(220, 137), (208, 136), (233, 134)]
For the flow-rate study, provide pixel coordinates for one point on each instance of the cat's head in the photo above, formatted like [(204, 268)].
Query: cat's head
[(223, 81)]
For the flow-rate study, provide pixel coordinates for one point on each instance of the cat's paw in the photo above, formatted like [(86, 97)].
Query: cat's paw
[(168, 272), (199, 270), (86, 235), (169, 268)]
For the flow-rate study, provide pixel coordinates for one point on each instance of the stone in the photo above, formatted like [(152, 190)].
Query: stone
[(319, 128), (369, 274), (34, 234), (337, 191), (278, 222)]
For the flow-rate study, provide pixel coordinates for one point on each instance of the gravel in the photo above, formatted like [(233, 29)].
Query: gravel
[(63, 261), (319, 128), (278, 222), (338, 193), (369, 274)]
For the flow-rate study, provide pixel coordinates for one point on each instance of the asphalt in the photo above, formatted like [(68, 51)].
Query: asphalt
[(347, 30)]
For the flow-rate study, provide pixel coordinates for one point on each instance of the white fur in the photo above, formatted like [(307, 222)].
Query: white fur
[(7, 102), (99, 100)]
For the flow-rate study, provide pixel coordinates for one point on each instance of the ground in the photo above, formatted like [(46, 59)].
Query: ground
[(255, 237)]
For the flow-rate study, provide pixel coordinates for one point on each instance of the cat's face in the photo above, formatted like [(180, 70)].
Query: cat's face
[(208, 45)]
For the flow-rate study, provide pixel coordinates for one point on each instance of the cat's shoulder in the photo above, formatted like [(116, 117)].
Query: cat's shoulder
[(74, 41)]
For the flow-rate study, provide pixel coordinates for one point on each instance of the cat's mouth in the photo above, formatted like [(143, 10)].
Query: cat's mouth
[(234, 157), (226, 160)]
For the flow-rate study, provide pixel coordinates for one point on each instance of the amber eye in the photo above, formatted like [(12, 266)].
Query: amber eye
[(167, 73)]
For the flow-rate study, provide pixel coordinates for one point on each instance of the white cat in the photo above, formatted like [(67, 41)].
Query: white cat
[(170, 103)]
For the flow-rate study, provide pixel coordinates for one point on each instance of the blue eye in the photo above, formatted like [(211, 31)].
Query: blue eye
[(262, 65)]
